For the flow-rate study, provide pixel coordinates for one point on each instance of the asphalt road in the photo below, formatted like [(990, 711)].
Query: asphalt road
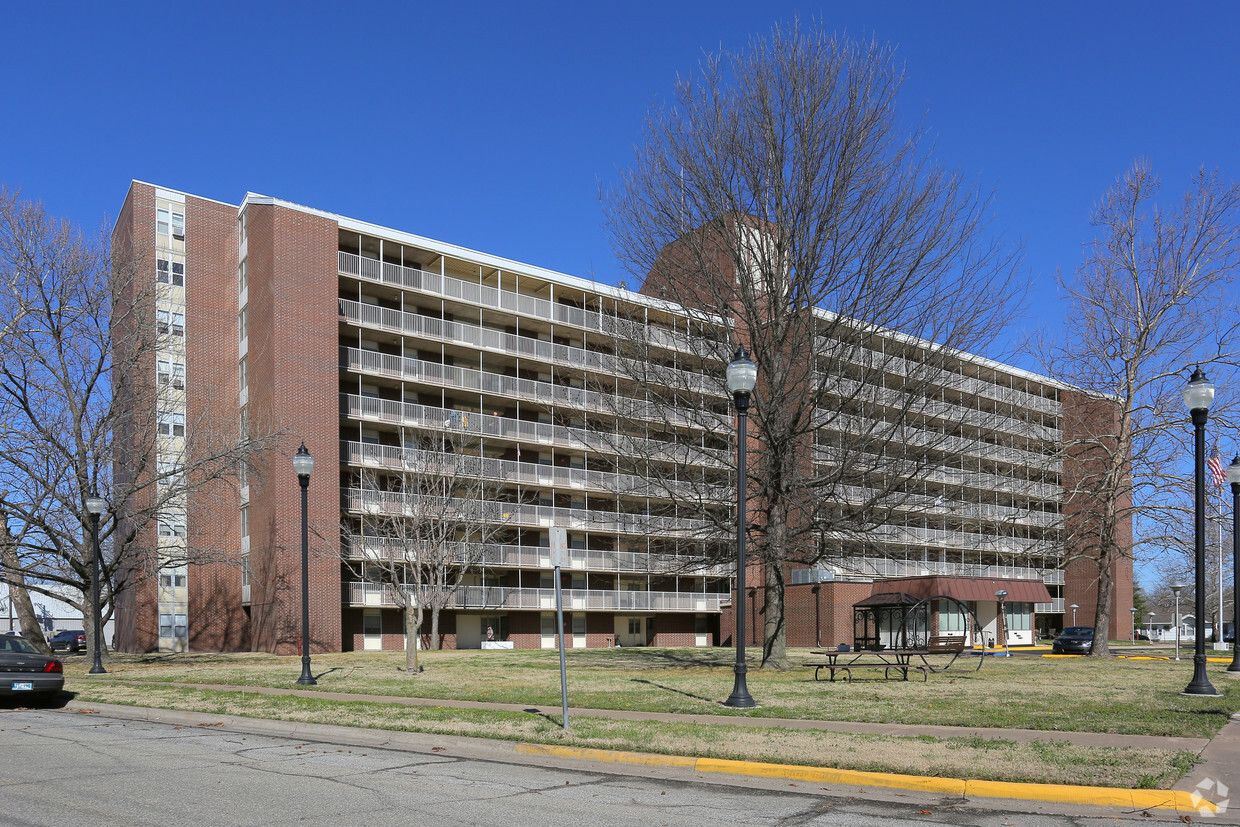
[(66, 769)]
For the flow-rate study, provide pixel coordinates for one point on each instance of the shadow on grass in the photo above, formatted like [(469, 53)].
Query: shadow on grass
[(677, 691)]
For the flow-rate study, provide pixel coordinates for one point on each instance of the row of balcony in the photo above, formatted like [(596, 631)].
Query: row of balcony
[(448, 287), (513, 387), (413, 415), (900, 366), (469, 466), (505, 555), (956, 540), (938, 409), (849, 426), (491, 598), (521, 515), (975, 480), (891, 567), (922, 505), (428, 328)]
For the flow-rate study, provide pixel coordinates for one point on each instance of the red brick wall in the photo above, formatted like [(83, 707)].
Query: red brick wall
[(1085, 416), (217, 620), (136, 607), (293, 387)]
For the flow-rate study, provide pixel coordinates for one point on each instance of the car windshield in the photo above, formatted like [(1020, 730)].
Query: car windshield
[(68, 634), (16, 644), (1079, 631)]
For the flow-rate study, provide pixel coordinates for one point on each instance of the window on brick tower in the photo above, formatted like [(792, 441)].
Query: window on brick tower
[(169, 271), (171, 423)]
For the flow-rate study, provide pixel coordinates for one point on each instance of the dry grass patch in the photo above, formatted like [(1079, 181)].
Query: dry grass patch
[(990, 759), (1083, 694)]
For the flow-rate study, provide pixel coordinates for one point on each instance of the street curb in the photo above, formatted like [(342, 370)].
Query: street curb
[(1178, 800), (964, 788)]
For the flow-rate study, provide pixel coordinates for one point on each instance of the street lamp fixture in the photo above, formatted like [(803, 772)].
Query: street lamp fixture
[(1151, 631), (1134, 623), (1198, 395), (1233, 477), (1176, 588), (1074, 607), (742, 375), (303, 464), (94, 507)]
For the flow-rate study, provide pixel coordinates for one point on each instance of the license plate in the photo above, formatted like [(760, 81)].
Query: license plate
[(18, 686)]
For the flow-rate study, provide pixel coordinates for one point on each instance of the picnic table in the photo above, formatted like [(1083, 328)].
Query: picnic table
[(891, 661)]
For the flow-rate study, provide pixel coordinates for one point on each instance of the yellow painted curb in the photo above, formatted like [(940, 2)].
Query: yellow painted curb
[(1062, 793)]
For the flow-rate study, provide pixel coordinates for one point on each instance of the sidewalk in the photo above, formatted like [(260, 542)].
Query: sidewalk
[(1194, 796)]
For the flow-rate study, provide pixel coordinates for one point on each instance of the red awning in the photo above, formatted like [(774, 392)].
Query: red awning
[(981, 589)]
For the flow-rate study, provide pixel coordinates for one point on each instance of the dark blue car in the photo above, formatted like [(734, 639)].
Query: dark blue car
[(1074, 640)]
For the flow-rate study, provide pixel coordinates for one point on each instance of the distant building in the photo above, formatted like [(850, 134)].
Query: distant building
[(378, 347)]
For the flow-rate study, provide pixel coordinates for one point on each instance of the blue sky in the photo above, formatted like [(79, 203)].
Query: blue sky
[(493, 125)]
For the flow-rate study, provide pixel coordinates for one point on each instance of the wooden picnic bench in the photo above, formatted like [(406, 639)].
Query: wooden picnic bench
[(897, 661)]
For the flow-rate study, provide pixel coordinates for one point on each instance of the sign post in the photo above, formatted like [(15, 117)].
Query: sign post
[(559, 558)]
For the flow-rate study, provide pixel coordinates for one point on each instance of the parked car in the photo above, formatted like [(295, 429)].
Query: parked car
[(71, 640), (1074, 640), (23, 671)]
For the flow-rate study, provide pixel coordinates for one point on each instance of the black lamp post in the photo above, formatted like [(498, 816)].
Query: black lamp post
[(1175, 589), (742, 376), (94, 507), (303, 464), (1001, 596), (1198, 395), (1233, 477)]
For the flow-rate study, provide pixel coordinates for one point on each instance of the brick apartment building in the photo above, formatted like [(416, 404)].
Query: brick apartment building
[(385, 351)]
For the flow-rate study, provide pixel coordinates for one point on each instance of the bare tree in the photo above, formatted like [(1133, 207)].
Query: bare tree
[(781, 197), (81, 341), (1151, 300), (428, 515)]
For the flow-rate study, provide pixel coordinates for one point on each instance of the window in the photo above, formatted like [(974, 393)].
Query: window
[(170, 472), (635, 625), (171, 272), (951, 618), (1018, 617), (170, 322), (163, 221), (245, 570), (245, 521), (181, 626), (172, 580), (242, 375), (243, 279), (241, 231), (165, 624), (178, 226), (170, 372), (171, 423), (172, 527), (243, 324)]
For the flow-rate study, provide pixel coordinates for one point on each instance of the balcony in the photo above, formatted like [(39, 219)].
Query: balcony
[(512, 387), (410, 414), (884, 567), (396, 504), (539, 557), (943, 538), (577, 600), (509, 301), (431, 329), (468, 466)]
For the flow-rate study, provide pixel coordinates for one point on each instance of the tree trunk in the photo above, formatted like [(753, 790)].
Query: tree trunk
[(774, 630), (435, 625), (31, 630), (413, 620), (1100, 648)]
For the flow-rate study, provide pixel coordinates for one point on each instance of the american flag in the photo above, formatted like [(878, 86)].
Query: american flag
[(1218, 474)]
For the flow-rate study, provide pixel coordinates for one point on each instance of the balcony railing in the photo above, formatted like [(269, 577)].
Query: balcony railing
[(397, 504), (513, 387), (498, 555), (521, 430), (468, 466), (945, 379), (884, 567), (508, 300), (596, 600), (429, 328)]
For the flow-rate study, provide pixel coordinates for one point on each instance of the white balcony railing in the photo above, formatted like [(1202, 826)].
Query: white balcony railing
[(526, 347), (598, 600), (498, 555), (410, 414), (513, 387), (395, 503), (453, 288), (468, 466)]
